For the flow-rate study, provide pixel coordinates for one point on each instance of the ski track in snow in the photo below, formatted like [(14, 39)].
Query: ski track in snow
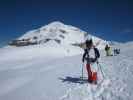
[(58, 79), (87, 92)]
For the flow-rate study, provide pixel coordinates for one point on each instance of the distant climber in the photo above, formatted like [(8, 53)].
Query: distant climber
[(91, 55), (116, 51), (108, 50)]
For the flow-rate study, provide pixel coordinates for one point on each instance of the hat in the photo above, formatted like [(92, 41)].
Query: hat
[(89, 42)]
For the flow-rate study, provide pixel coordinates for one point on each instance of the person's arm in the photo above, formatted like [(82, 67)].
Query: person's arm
[(85, 52), (106, 48), (97, 54)]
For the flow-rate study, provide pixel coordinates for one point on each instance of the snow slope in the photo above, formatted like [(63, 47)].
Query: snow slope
[(29, 73)]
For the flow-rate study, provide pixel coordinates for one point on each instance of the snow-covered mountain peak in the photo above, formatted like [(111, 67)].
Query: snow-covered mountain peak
[(56, 24), (60, 27), (61, 33), (58, 33)]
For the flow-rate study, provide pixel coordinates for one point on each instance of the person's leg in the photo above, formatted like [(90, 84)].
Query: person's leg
[(89, 72)]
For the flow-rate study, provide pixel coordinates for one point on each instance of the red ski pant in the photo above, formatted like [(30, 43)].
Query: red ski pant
[(89, 72)]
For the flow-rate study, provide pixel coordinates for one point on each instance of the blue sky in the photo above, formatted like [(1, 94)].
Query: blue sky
[(108, 19)]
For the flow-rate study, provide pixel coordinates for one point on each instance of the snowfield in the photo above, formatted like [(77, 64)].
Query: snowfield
[(51, 73)]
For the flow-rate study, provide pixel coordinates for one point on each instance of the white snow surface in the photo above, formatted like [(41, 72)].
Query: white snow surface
[(51, 73)]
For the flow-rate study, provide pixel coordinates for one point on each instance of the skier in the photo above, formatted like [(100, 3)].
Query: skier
[(91, 55)]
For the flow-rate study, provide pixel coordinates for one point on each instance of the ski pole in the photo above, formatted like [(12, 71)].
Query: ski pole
[(82, 71), (101, 69)]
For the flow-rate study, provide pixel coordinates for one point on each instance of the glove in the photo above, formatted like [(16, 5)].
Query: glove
[(97, 62)]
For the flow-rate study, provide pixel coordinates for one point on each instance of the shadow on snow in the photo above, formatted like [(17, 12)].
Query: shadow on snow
[(70, 79)]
